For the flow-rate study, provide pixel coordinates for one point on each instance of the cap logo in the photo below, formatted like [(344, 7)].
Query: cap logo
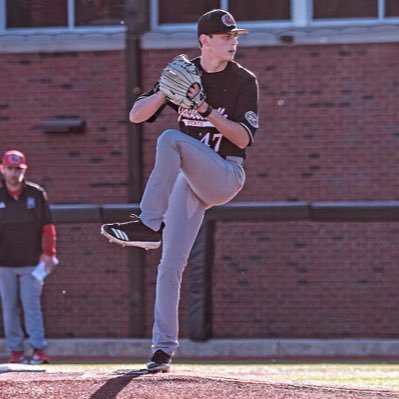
[(15, 159), (228, 20)]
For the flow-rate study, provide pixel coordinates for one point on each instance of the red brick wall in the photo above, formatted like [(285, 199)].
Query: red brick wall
[(88, 295), (74, 168), (329, 132), (329, 121), (306, 280)]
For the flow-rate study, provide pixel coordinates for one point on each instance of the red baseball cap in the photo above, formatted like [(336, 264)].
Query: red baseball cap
[(14, 159)]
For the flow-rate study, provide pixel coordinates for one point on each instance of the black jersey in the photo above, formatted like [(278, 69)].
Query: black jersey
[(233, 93), (21, 225)]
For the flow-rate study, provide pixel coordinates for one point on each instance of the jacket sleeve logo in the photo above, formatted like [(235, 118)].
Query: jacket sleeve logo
[(252, 119)]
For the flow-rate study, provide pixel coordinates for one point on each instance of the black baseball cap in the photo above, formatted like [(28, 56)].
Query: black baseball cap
[(218, 21)]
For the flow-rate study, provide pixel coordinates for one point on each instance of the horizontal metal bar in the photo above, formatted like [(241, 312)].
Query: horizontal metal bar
[(355, 211), (118, 212), (273, 211), (76, 213)]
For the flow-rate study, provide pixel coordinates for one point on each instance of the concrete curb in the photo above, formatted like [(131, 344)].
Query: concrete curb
[(223, 348)]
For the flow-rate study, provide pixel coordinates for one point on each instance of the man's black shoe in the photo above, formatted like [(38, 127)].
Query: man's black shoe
[(133, 234), (160, 361)]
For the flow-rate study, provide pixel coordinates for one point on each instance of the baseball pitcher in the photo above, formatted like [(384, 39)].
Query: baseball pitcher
[(198, 166)]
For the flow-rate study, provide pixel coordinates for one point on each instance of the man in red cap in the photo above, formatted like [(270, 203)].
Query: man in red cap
[(27, 240)]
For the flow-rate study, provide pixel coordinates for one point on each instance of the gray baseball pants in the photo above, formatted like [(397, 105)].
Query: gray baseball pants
[(18, 284), (188, 178)]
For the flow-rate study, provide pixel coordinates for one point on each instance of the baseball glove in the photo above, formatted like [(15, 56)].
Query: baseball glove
[(176, 80)]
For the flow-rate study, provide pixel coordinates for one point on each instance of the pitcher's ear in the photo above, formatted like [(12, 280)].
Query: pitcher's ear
[(203, 39)]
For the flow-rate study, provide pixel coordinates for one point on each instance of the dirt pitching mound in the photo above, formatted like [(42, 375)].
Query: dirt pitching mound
[(181, 385)]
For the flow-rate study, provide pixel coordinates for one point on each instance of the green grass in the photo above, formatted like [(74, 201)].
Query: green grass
[(360, 375)]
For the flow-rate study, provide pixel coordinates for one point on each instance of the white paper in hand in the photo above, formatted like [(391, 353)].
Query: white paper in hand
[(40, 272)]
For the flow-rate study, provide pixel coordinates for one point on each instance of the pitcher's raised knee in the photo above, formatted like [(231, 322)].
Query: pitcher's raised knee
[(169, 137)]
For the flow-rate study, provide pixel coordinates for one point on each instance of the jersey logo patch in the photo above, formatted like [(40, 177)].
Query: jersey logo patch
[(252, 119), (30, 203)]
